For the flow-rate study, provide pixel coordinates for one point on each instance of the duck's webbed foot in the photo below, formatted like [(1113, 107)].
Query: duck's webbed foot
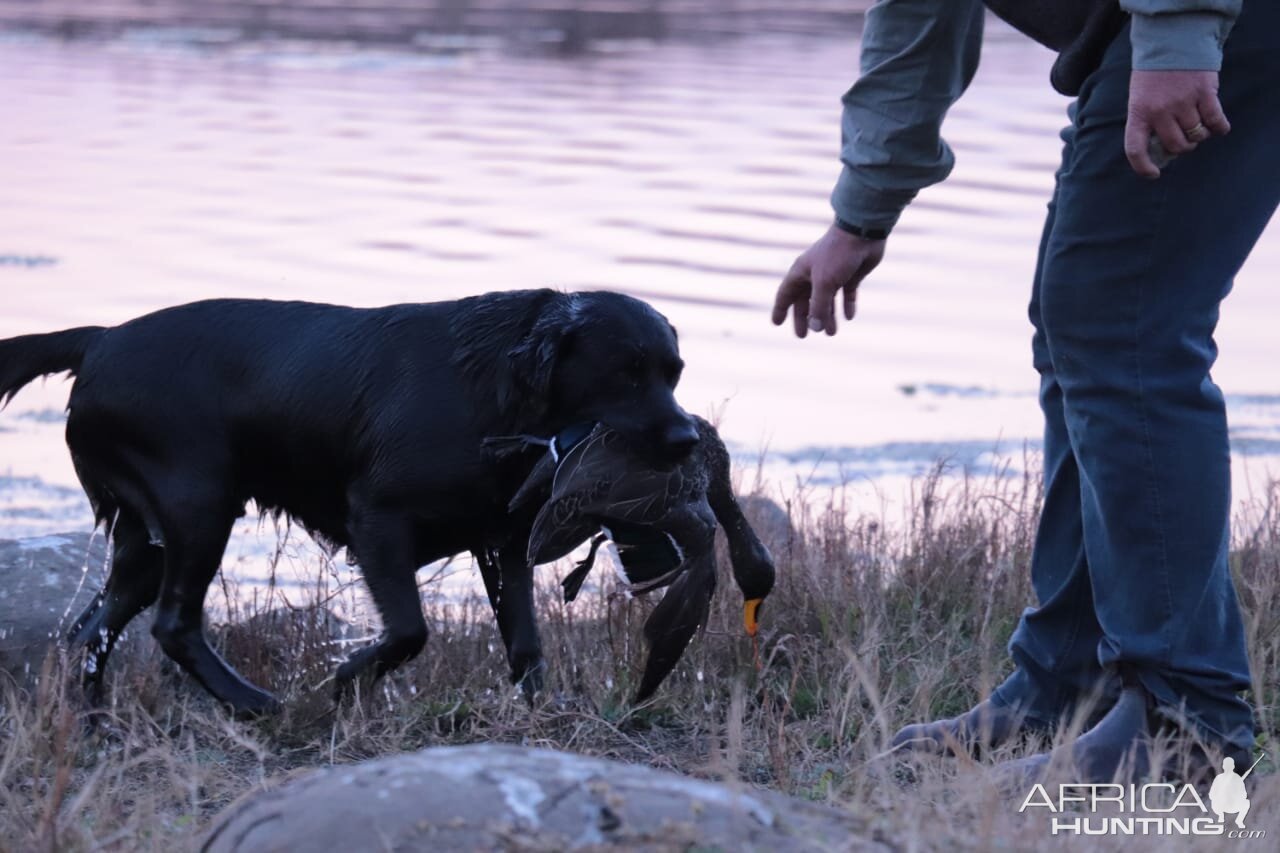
[(503, 446)]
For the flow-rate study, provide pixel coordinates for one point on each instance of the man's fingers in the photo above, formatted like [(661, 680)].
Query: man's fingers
[(832, 268), (851, 289), (869, 263), (1173, 134), (1137, 136), (801, 317), (1213, 117), (793, 295), (795, 285), (822, 306), (1191, 127), (1170, 112)]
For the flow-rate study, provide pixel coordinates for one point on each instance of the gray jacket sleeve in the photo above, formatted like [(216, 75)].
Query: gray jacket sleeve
[(918, 57), (1180, 35)]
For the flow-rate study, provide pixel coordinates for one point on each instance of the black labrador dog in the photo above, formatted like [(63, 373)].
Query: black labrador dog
[(365, 426)]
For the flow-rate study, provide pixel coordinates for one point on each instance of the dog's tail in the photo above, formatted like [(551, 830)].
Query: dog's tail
[(27, 357)]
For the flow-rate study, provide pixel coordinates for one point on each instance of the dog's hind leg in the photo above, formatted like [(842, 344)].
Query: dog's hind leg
[(384, 546), (137, 567), (192, 553)]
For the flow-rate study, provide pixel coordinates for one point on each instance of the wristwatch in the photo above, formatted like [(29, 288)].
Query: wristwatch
[(859, 231)]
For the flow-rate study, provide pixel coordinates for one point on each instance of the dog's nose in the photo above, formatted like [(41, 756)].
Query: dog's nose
[(680, 439)]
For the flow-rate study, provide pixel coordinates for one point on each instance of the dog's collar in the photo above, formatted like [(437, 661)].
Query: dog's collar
[(568, 438)]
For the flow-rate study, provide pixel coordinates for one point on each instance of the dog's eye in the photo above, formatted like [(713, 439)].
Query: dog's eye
[(629, 375)]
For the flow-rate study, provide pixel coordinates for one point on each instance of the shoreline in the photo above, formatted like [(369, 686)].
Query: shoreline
[(564, 27)]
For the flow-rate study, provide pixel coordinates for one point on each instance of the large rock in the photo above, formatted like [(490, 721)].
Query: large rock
[(46, 581), (771, 522), (44, 584), (489, 797)]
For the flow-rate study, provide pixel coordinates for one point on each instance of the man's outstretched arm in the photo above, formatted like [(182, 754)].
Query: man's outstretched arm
[(918, 57)]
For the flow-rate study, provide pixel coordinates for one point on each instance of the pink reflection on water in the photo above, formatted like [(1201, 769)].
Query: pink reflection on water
[(688, 175)]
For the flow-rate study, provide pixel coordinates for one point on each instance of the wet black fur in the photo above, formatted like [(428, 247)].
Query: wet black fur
[(363, 425)]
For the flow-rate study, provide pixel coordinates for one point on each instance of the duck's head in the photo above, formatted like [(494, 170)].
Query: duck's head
[(756, 583), (753, 571)]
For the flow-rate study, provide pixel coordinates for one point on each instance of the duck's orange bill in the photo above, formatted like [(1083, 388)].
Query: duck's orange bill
[(749, 611), (749, 615)]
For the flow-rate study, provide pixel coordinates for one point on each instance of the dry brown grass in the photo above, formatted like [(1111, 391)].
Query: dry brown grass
[(873, 624)]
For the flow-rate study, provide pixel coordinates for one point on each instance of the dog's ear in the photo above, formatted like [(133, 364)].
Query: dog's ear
[(507, 345), (532, 362)]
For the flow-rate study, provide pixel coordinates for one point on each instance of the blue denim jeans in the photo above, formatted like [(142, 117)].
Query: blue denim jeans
[(1130, 562)]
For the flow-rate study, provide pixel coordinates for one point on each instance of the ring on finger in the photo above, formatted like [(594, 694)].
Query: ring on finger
[(1199, 133)]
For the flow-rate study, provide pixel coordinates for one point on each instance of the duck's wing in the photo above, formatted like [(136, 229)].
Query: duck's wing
[(536, 487), (601, 483), (562, 524), (596, 459), (613, 483), (676, 619), (583, 478), (557, 530), (538, 484)]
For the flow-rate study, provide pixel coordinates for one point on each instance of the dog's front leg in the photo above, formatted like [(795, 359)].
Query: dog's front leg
[(516, 618), (383, 542), (491, 573)]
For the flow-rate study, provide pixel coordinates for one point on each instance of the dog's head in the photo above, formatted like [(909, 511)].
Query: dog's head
[(605, 357)]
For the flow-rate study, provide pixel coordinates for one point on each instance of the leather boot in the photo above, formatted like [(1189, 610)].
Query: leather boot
[(984, 726), (1121, 739)]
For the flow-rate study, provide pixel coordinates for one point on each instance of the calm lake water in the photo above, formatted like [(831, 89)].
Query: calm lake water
[(150, 171)]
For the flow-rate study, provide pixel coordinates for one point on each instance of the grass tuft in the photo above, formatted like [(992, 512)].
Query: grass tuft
[(874, 623)]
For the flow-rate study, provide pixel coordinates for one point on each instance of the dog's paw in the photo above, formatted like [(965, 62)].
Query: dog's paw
[(530, 675), (351, 669), (254, 704)]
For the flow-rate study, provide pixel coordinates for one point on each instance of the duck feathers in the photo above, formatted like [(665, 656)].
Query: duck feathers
[(674, 622), (598, 483)]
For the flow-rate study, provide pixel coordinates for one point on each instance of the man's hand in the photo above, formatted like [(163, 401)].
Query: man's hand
[(1180, 108), (838, 261)]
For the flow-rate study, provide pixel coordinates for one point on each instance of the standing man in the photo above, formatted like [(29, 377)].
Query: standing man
[(1139, 248)]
